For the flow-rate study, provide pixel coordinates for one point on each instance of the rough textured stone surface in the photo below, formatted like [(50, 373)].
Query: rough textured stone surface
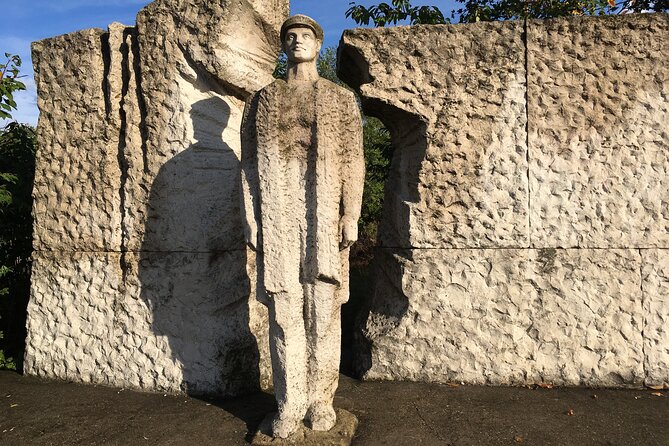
[(596, 161), (598, 94), (77, 177), (567, 317), (137, 196), (656, 312), (453, 98), (162, 322), (139, 125), (193, 85)]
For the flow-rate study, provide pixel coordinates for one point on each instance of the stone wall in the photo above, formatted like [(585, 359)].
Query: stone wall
[(140, 274), (526, 229)]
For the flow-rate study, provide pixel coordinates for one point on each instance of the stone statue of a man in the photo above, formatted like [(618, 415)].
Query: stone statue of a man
[(302, 182)]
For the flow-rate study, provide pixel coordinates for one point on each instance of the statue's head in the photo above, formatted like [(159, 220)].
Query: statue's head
[(301, 38)]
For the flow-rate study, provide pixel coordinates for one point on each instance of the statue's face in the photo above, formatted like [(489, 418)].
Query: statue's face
[(301, 45)]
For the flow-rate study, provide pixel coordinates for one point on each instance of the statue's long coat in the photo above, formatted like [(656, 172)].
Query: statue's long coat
[(338, 181)]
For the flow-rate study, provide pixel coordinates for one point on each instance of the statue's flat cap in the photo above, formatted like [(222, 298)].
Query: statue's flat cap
[(299, 20)]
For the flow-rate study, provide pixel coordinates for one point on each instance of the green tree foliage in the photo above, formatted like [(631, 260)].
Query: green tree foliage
[(488, 10), (9, 83), (327, 66), (378, 154), (280, 67), (397, 11), (17, 167)]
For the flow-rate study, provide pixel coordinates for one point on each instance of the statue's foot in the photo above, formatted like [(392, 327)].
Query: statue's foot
[(321, 417), (283, 427)]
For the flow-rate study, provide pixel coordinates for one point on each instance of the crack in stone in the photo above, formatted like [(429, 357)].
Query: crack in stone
[(527, 133), (106, 58), (122, 160), (139, 93), (428, 425), (643, 318)]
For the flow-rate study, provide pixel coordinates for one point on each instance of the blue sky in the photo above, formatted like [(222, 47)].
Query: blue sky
[(30, 20)]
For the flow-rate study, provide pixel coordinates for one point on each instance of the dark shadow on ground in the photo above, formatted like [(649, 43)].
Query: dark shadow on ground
[(251, 409)]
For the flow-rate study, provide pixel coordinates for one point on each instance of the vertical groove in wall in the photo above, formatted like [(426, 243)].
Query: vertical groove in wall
[(122, 161), (106, 57), (141, 104), (643, 317), (527, 134)]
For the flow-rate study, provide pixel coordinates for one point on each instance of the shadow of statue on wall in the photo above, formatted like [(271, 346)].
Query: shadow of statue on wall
[(192, 264)]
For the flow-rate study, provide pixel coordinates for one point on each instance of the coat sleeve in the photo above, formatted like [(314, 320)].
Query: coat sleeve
[(353, 159), (249, 173)]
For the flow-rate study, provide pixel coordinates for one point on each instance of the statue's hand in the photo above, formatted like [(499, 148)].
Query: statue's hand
[(348, 229)]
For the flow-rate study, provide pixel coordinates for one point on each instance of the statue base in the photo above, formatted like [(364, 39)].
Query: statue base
[(340, 435)]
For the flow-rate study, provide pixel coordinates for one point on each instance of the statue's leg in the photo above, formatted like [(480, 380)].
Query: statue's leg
[(323, 318), (289, 362)]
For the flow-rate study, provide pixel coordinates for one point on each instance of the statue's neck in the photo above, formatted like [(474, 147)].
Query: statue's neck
[(301, 72)]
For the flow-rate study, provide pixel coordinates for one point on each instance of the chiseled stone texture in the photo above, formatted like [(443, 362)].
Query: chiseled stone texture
[(557, 294), (453, 98), (656, 312), (567, 317), (140, 275), (199, 61), (598, 94), (77, 177), (155, 321)]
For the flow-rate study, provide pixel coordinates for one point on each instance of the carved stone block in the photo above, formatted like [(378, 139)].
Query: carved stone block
[(140, 275), (656, 313), (453, 98), (77, 176), (156, 321), (568, 317), (598, 101)]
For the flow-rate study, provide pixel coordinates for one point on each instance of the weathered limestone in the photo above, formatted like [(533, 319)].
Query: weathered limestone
[(498, 316), (566, 290), (138, 234), (460, 174), (76, 151), (598, 131), (303, 172), (194, 86), (656, 312), (526, 225), (143, 328)]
